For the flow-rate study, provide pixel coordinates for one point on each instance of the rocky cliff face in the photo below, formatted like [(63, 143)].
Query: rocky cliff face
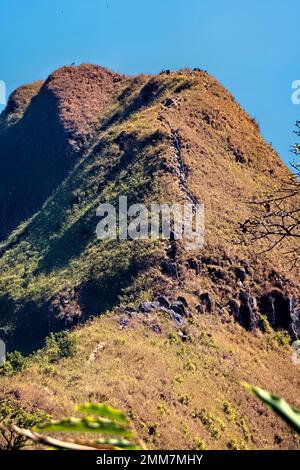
[(87, 135)]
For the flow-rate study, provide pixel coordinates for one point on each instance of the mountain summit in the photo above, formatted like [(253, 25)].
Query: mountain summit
[(88, 135)]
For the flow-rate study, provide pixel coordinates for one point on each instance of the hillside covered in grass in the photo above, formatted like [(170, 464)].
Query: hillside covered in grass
[(151, 321)]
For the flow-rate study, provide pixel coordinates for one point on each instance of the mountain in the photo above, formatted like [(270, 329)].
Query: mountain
[(170, 324)]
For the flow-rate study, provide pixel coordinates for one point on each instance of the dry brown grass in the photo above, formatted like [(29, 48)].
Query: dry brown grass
[(83, 93), (177, 392), (164, 383), (18, 103)]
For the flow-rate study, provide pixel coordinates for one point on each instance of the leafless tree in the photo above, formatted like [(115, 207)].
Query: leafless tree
[(277, 217)]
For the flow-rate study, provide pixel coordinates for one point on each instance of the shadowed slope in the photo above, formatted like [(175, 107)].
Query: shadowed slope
[(43, 130)]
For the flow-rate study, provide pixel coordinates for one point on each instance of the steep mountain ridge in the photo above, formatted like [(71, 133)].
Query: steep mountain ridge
[(174, 137)]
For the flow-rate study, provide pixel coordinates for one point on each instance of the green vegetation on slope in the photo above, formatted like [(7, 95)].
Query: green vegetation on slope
[(164, 138)]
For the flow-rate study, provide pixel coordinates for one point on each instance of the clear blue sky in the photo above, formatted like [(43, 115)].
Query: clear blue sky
[(251, 46)]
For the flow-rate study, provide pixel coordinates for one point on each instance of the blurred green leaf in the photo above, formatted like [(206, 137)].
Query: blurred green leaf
[(87, 424), (103, 410), (122, 444), (290, 414)]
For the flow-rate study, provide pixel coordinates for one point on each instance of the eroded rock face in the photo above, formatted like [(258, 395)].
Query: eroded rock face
[(234, 308), (244, 310), (240, 273), (250, 293), (279, 309), (177, 310), (163, 301), (148, 307), (194, 263), (278, 306), (206, 303), (247, 314), (282, 312), (294, 328)]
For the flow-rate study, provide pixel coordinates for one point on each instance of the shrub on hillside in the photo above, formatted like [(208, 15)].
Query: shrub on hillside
[(15, 362), (60, 345), (11, 413)]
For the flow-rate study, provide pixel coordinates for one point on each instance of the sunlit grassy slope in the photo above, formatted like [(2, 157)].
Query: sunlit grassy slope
[(166, 138), (179, 394)]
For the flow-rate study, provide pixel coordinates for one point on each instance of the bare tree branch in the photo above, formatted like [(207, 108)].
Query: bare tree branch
[(278, 213), (52, 442)]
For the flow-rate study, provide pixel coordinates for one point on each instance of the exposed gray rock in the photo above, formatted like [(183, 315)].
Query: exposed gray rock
[(240, 274), (281, 312), (149, 307), (173, 315), (234, 307), (184, 337), (126, 309), (245, 310), (178, 307), (279, 309), (206, 303), (170, 102), (177, 310), (194, 264), (182, 300), (163, 301), (294, 328), (247, 315), (169, 267), (124, 323)]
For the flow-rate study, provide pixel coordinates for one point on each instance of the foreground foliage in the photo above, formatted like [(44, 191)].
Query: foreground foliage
[(288, 413), (11, 415), (112, 426)]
